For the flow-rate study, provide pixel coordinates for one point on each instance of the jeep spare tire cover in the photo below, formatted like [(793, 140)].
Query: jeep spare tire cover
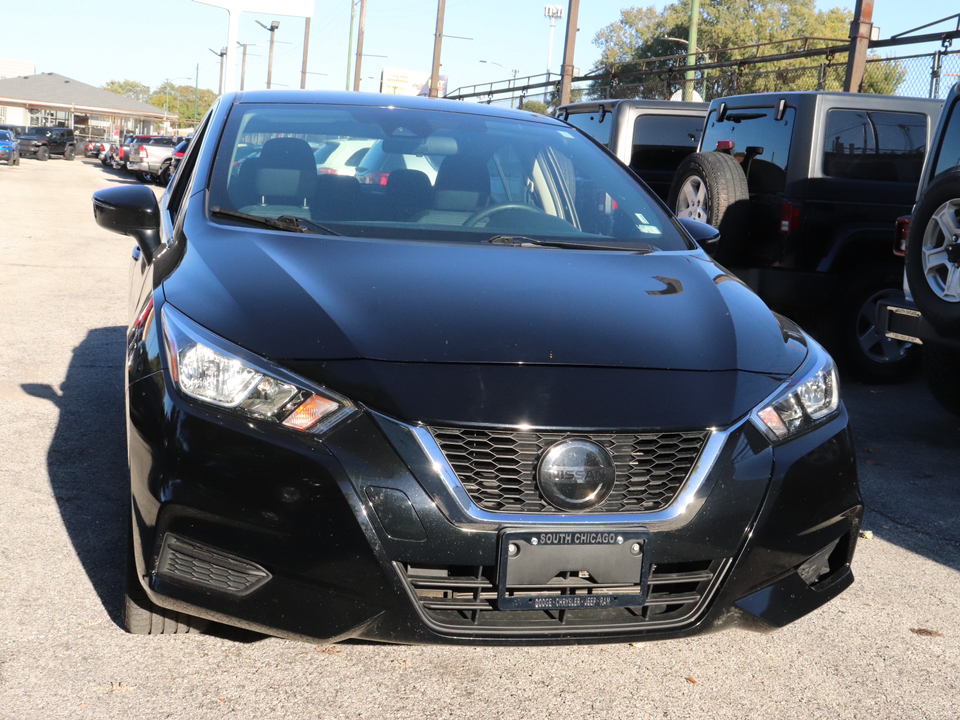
[(933, 254), (711, 187)]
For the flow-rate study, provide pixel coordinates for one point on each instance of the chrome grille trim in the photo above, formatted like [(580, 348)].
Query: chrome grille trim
[(676, 513)]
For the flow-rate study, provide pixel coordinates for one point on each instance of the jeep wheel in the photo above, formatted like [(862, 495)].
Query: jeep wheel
[(43, 154), (933, 255), (941, 365), (69, 153), (142, 617), (711, 187), (854, 334)]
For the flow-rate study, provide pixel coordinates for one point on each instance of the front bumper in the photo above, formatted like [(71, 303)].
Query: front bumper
[(365, 535), (29, 149), (7, 153)]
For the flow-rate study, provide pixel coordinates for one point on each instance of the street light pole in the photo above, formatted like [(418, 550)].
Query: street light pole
[(222, 53), (510, 84), (243, 64), (272, 28)]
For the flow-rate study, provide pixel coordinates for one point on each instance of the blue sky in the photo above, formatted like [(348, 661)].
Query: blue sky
[(116, 40)]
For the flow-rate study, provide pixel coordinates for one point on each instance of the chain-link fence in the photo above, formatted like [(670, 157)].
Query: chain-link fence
[(925, 75)]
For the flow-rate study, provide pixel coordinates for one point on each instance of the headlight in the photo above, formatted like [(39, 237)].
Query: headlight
[(810, 396), (216, 372)]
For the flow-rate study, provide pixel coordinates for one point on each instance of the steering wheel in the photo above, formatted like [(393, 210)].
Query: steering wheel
[(493, 209)]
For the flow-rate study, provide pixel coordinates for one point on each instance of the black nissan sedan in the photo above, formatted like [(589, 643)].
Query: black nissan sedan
[(511, 401)]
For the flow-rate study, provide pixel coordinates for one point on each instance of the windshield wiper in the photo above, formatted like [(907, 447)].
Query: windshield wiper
[(524, 241), (287, 223)]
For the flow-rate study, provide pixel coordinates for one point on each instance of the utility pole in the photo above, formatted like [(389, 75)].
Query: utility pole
[(691, 50), (243, 65), (222, 53), (569, 45), (363, 21), (860, 31), (306, 46), (272, 28), (353, 6), (196, 95), (438, 41)]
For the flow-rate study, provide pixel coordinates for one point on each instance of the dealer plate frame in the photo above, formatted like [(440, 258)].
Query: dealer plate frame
[(606, 554)]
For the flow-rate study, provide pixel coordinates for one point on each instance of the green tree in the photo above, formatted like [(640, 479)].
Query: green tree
[(643, 39), (129, 88), (537, 106), (180, 100)]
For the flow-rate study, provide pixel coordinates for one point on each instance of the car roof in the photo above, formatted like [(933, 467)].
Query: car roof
[(308, 97)]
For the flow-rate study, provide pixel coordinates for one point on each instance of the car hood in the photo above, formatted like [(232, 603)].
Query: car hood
[(291, 296)]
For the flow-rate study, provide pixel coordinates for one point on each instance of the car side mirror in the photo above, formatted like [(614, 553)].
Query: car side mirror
[(706, 236), (130, 210)]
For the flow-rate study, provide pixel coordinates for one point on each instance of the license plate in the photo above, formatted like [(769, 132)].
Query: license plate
[(605, 569)]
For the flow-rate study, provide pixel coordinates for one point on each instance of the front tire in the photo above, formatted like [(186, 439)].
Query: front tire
[(43, 154), (141, 616), (712, 188), (854, 334), (933, 255)]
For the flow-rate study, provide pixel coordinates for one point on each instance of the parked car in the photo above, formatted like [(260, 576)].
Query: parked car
[(106, 153), (804, 188), (9, 148), (91, 148), (341, 156), (44, 142), (169, 165), (378, 163), (519, 404), (651, 136), (120, 158), (930, 314), (148, 155), (17, 130)]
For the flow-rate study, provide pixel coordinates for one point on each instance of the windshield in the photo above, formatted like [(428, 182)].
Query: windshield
[(433, 176), (39, 131)]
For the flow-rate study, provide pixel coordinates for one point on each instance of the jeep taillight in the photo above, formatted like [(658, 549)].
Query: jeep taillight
[(790, 213), (900, 235)]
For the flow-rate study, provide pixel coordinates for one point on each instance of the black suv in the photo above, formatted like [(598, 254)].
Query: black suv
[(42, 142), (805, 188), (931, 314), (651, 136)]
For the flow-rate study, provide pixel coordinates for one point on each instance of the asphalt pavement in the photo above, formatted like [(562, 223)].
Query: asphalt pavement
[(889, 647)]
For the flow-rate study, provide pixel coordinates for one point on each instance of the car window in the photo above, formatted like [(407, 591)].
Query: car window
[(437, 176), (6, 136), (948, 154), (661, 142), (182, 179), (593, 124), (761, 143), (871, 145)]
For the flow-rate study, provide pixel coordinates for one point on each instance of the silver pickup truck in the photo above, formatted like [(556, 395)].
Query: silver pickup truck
[(146, 157)]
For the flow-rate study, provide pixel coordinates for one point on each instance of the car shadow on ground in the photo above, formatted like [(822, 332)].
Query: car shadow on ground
[(87, 466), (87, 462), (908, 454)]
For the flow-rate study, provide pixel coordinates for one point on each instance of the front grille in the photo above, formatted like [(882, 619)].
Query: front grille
[(498, 468), (465, 597)]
